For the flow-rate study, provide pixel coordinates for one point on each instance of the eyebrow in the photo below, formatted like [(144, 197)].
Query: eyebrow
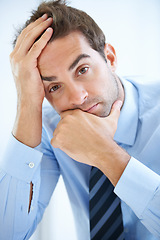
[(75, 62), (49, 79)]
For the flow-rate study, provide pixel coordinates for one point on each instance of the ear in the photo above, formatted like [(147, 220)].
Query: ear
[(111, 57)]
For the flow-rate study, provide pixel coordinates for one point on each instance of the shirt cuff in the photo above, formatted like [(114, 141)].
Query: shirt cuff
[(137, 186), (19, 160)]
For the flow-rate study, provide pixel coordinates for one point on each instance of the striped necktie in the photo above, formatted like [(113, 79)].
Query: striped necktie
[(105, 210)]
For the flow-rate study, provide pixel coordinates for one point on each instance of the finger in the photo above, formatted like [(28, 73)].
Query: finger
[(66, 113), (113, 117), (37, 47), (53, 143), (115, 111), (32, 35), (116, 107), (27, 29), (72, 112)]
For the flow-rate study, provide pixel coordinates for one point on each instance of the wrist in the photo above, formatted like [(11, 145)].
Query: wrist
[(115, 163), (26, 105), (28, 125)]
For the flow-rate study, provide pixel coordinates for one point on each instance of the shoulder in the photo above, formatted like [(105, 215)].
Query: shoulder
[(148, 88), (148, 93), (143, 83)]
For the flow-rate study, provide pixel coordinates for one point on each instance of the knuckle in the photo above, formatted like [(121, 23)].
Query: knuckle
[(23, 31), (76, 112), (22, 34), (53, 143), (69, 118), (27, 28), (13, 58), (13, 55), (28, 34), (58, 140), (35, 46), (16, 60)]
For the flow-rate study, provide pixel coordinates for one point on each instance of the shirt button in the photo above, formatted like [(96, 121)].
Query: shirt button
[(31, 165)]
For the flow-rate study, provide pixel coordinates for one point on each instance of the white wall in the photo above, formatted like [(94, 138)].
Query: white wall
[(13, 14), (132, 27)]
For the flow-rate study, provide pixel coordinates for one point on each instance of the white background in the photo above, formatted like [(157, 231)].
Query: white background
[(132, 27)]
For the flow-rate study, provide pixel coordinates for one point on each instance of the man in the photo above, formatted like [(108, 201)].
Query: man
[(61, 54)]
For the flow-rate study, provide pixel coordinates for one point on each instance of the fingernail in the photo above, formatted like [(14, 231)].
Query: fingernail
[(44, 16), (49, 29), (48, 19), (119, 103)]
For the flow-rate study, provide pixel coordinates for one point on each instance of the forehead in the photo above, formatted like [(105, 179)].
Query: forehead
[(63, 50)]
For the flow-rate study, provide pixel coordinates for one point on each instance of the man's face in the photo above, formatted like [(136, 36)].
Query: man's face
[(76, 76)]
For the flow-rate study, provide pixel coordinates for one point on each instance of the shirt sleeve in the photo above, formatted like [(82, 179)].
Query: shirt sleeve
[(20, 166), (139, 188)]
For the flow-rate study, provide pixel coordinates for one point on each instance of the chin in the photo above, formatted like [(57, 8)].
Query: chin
[(102, 114)]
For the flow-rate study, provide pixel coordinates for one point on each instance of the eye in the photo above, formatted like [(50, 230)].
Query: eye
[(82, 71), (55, 88)]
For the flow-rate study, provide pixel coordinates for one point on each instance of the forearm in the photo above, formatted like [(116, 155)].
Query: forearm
[(28, 125), (89, 139), (20, 167), (29, 85), (15, 177), (16, 174), (15, 221)]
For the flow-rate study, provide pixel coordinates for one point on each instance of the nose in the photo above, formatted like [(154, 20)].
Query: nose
[(77, 95)]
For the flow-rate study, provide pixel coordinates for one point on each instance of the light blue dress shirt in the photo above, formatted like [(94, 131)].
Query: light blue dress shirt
[(139, 186)]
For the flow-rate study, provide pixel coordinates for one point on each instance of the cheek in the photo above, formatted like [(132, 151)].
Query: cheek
[(97, 87), (59, 104), (100, 79)]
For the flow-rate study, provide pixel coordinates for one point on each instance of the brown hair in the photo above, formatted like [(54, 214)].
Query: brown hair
[(67, 19)]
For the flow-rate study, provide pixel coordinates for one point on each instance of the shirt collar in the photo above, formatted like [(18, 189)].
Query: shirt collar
[(128, 120)]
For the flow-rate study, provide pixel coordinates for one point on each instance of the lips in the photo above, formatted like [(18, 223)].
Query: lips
[(90, 109)]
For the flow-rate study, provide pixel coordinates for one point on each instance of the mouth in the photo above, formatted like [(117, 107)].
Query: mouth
[(91, 109)]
